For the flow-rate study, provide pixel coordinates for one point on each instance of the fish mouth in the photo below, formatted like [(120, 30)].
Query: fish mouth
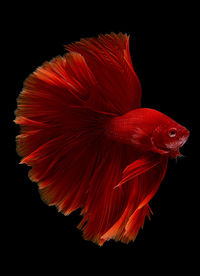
[(173, 149), (173, 153)]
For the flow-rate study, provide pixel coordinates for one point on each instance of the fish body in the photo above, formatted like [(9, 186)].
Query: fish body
[(89, 142), (148, 130)]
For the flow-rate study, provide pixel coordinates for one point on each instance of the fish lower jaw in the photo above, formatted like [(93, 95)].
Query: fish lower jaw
[(175, 153), (171, 153)]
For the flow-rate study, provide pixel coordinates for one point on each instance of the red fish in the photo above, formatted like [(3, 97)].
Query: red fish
[(89, 142)]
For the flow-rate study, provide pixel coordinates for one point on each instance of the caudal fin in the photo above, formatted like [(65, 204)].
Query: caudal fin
[(62, 112)]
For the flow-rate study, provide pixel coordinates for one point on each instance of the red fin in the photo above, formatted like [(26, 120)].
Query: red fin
[(138, 167), (117, 229), (55, 136), (109, 59), (141, 189), (66, 146), (136, 220), (44, 104)]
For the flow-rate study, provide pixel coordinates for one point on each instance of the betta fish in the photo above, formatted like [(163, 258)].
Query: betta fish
[(89, 143)]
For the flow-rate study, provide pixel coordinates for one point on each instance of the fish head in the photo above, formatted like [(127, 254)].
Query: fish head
[(168, 137)]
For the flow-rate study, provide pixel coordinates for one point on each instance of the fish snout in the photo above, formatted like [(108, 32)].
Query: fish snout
[(185, 133)]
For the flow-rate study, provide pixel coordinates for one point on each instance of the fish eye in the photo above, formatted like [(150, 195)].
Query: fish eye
[(172, 132)]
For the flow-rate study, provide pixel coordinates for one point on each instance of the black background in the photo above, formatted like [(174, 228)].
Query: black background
[(162, 49)]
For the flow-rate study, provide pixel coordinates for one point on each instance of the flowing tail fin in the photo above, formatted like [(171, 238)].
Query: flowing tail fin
[(62, 111)]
